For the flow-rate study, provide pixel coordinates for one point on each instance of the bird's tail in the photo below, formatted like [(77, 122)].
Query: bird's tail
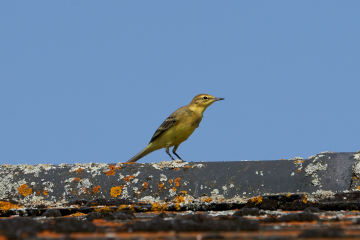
[(141, 154)]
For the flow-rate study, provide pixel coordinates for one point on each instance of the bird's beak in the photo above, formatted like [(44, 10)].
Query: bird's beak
[(218, 99)]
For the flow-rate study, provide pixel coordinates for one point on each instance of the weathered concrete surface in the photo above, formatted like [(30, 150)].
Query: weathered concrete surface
[(204, 182)]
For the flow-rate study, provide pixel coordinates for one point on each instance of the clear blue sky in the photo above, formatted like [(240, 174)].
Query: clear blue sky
[(90, 81)]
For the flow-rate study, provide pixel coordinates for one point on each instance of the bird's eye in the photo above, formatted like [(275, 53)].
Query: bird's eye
[(205, 97)]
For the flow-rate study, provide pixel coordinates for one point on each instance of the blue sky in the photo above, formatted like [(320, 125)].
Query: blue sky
[(90, 81)]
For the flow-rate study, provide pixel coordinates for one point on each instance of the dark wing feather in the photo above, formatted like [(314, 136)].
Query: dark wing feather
[(170, 121)]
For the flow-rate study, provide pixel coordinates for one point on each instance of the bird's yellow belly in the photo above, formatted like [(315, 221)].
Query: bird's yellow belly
[(176, 134)]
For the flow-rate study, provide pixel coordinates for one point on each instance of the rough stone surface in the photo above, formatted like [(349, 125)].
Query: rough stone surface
[(165, 181)]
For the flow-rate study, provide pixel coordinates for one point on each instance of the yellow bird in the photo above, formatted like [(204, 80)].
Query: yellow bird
[(178, 126)]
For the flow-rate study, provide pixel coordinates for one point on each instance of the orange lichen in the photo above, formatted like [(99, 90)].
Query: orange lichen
[(159, 207), (110, 173), (355, 177), (84, 191), (127, 179), (289, 195), (183, 192), (174, 189), (47, 235), (145, 185), (186, 167), (297, 161), (24, 190), (206, 200), (4, 205), (256, 200), (104, 210), (96, 189), (299, 170), (79, 170), (177, 181), (98, 222), (113, 167), (45, 192), (304, 199), (170, 181), (38, 192), (161, 185), (76, 179), (176, 169), (116, 191)]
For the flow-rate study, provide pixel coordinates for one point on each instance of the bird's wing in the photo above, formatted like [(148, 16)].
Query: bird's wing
[(168, 123)]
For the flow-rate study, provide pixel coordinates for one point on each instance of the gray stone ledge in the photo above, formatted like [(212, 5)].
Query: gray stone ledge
[(235, 181)]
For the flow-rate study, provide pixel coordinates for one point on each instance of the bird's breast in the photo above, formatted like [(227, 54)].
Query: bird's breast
[(187, 126), (186, 123)]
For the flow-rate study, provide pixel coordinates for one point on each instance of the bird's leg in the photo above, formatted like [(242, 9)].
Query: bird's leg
[(174, 152), (167, 151)]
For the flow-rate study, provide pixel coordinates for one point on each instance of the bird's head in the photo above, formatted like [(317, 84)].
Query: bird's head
[(204, 100)]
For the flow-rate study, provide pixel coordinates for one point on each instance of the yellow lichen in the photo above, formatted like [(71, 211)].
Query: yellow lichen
[(159, 207), (122, 207), (4, 205), (78, 214), (180, 199), (289, 195), (177, 206), (115, 191), (104, 210)]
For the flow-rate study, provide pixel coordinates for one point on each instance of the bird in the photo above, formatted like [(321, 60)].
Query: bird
[(178, 127)]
